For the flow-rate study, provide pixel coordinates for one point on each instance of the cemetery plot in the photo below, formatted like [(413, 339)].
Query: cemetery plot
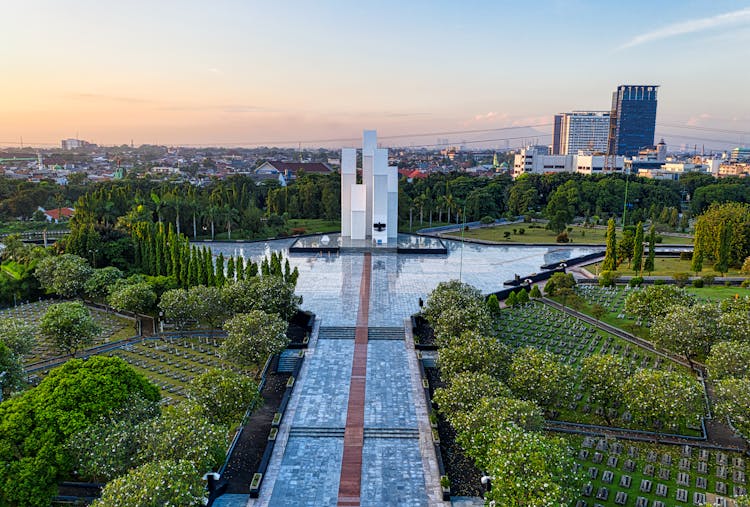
[(172, 364), (113, 328), (537, 325), (640, 474)]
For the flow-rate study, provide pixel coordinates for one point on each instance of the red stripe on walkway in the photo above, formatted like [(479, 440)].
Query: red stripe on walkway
[(351, 463)]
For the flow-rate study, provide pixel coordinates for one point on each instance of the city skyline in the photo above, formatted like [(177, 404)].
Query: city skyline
[(243, 73)]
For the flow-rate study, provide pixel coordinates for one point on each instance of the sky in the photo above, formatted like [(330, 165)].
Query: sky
[(242, 72)]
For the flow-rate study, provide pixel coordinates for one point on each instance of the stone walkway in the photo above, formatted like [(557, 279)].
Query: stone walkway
[(356, 431)]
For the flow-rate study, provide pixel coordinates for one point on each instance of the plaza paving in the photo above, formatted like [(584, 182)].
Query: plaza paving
[(398, 465)]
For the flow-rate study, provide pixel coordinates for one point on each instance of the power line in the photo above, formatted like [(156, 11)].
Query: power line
[(705, 129), (338, 139)]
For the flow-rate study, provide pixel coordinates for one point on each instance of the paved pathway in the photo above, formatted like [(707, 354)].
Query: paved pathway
[(356, 431)]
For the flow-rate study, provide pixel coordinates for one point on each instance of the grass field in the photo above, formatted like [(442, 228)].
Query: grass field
[(314, 225), (538, 234), (665, 266)]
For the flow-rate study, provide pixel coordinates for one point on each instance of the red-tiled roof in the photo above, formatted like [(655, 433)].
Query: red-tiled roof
[(54, 214), (416, 173)]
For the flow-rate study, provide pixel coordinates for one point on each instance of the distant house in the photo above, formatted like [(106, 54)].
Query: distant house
[(290, 170), (58, 215)]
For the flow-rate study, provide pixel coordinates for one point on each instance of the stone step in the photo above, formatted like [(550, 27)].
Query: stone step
[(385, 333), (309, 431), (287, 361), (391, 433), (336, 333)]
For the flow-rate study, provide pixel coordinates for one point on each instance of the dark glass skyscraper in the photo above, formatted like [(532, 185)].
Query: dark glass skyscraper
[(633, 119)]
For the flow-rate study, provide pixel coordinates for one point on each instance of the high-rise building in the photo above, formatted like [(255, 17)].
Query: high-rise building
[(632, 121), (580, 131)]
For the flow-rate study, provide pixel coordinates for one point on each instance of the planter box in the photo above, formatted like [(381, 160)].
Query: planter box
[(276, 420), (255, 485)]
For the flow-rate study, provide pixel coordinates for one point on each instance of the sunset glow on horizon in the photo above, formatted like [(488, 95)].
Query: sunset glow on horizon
[(239, 73)]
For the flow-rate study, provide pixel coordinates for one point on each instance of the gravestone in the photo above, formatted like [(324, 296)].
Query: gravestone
[(682, 495), (641, 502), (645, 486), (701, 483), (684, 464), (721, 487), (587, 489), (699, 498), (621, 498), (612, 462), (664, 474), (683, 479), (625, 481), (662, 490), (593, 472), (702, 467), (607, 477), (629, 465), (648, 470), (602, 493), (598, 457)]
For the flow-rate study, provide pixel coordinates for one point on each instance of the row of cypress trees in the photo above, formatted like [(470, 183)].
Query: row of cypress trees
[(160, 251)]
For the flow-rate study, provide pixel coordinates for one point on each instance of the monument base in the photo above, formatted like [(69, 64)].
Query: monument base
[(334, 243)]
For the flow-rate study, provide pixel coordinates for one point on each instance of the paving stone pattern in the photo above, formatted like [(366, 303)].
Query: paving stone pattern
[(309, 474), (392, 473), (388, 397)]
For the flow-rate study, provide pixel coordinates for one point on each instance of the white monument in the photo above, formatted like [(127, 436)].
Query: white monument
[(369, 210)]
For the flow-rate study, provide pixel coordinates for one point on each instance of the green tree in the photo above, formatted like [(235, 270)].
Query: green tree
[(733, 402), (539, 376), (734, 325), (648, 266), (531, 470), (664, 397), (729, 359), (101, 280), (224, 395), (610, 255), (725, 243), (479, 428), (559, 281), (686, 330), (184, 432), (638, 249), (65, 275), (270, 294), (18, 335), (208, 305), (466, 390), (36, 425), (156, 484), (111, 446), (535, 292), (136, 298), (603, 376), (474, 352), (69, 326), (252, 337), (655, 301)]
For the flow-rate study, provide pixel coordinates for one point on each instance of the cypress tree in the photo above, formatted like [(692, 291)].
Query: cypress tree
[(287, 270), (649, 265), (208, 264), (638, 249), (219, 278), (230, 269), (251, 269), (239, 269), (200, 260), (610, 256), (185, 266), (193, 269), (725, 243)]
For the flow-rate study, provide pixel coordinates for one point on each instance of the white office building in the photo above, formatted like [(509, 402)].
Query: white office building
[(535, 160), (580, 131)]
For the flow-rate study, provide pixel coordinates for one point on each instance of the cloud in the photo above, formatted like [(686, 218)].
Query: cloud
[(695, 121), (741, 16)]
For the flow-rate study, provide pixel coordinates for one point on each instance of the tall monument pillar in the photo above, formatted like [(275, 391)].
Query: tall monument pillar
[(369, 210)]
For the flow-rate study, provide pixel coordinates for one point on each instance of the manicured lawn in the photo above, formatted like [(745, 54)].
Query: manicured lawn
[(719, 292), (538, 234), (666, 266), (417, 225), (314, 225)]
